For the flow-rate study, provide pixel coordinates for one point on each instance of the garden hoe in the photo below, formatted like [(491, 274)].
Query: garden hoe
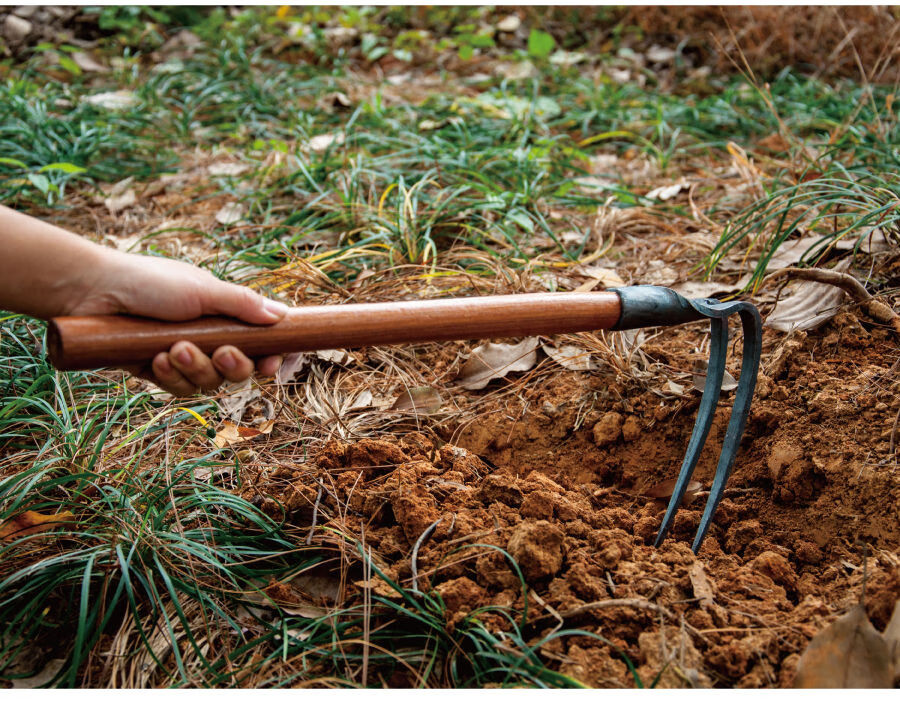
[(118, 340)]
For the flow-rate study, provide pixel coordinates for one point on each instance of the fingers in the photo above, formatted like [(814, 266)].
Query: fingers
[(169, 378), (237, 301), (194, 366), (184, 369), (232, 363), (269, 365)]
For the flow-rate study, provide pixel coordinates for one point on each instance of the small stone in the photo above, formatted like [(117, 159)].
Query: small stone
[(510, 23), (16, 29), (608, 430)]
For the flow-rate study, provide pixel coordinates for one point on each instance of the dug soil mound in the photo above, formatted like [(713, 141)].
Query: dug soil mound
[(556, 480)]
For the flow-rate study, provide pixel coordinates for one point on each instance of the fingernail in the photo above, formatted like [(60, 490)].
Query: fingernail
[(227, 361), (275, 308), (164, 365), (184, 356)]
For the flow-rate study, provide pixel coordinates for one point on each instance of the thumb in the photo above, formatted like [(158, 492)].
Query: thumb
[(243, 303)]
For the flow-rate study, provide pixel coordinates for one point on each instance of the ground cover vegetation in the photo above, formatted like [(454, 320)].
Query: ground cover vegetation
[(367, 519)]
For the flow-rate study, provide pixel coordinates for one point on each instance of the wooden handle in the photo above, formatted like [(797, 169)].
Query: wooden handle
[(119, 340)]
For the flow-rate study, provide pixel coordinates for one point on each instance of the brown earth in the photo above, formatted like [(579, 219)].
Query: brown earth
[(554, 475)]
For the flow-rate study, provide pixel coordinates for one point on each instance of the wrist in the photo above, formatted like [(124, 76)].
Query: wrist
[(86, 282)]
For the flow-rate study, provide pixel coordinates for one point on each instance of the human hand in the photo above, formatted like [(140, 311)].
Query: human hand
[(166, 289)]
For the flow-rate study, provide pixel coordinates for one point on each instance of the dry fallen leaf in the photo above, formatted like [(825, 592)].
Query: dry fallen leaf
[(233, 405), (120, 196), (231, 213), (664, 194), (227, 169), (571, 357), (848, 654), (230, 433), (892, 637), (32, 522), (494, 361), (808, 307), (320, 143), (335, 356), (112, 100), (607, 277), (51, 668), (874, 242), (419, 399), (291, 365), (664, 490), (728, 382), (709, 288), (86, 62), (288, 605), (703, 589), (319, 584)]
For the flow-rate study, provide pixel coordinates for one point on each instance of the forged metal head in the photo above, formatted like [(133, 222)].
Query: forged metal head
[(648, 305)]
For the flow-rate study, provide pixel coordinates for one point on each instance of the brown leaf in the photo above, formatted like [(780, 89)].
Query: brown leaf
[(892, 637), (703, 589), (318, 584), (494, 361), (32, 522), (230, 433), (848, 654), (664, 490), (774, 143), (420, 399), (120, 196)]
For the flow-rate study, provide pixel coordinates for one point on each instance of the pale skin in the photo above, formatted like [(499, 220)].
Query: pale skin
[(46, 271)]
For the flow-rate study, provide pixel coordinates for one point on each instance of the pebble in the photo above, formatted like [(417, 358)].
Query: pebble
[(16, 29)]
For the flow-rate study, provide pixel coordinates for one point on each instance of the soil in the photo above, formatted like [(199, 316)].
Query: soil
[(555, 476)]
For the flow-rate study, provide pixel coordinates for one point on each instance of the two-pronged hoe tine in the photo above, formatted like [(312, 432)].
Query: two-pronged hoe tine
[(718, 314), (651, 306)]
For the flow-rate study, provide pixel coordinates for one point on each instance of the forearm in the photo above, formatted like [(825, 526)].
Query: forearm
[(43, 268)]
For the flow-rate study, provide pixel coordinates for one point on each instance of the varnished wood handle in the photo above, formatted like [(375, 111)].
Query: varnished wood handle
[(119, 340)]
